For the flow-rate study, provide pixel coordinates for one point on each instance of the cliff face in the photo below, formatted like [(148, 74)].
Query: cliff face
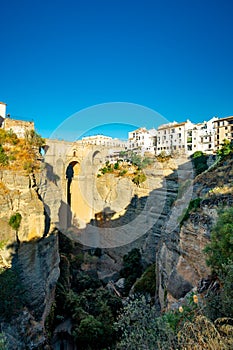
[(32, 253), (180, 258), (143, 216), (156, 206)]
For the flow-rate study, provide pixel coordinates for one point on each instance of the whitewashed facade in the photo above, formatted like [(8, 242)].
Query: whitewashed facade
[(142, 140), (101, 140), (172, 137)]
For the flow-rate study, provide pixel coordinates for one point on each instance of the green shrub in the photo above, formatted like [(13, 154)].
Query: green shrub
[(3, 156), (15, 221), (92, 311), (83, 281), (146, 162), (132, 268), (220, 250), (194, 204), (11, 294), (89, 333), (227, 148), (28, 167), (139, 178), (123, 172), (147, 282), (219, 301), (199, 160), (163, 157), (140, 328)]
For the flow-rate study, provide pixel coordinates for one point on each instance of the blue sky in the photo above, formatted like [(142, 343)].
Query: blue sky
[(61, 57)]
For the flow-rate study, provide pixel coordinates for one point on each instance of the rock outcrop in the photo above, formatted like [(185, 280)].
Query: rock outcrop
[(33, 251), (180, 258)]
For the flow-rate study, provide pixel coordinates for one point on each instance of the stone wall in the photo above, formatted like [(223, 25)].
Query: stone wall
[(19, 127)]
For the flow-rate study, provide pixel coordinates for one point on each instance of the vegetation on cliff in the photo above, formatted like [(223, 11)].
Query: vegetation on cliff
[(220, 250), (20, 154), (11, 294), (82, 298), (130, 164)]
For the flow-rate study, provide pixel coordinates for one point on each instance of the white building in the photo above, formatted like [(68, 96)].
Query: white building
[(101, 140), (142, 140), (172, 137), (186, 137), (2, 113), (204, 136), (19, 127)]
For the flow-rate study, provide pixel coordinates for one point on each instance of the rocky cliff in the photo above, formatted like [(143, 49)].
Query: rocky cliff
[(32, 251), (142, 214), (180, 258), (162, 224)]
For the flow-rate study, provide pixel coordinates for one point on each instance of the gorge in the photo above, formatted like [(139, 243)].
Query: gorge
[(54, 247)]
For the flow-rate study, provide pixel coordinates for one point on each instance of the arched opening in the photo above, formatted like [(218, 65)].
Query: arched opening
[(96, 158), (71, 171)]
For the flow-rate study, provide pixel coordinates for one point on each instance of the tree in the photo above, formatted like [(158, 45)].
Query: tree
[(34, 139), (220, 250), (89, 333), (14, 222), (140, 328), (132, 268), (199, 160), (139, 178), (227, 148)]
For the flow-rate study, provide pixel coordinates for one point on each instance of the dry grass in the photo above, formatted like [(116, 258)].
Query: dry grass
[(21, 156), (201, 333)]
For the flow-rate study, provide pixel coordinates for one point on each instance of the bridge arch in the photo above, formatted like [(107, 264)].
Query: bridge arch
[(72, 171)]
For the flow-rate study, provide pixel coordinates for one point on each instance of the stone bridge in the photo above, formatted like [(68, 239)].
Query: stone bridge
[(70, 179)]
